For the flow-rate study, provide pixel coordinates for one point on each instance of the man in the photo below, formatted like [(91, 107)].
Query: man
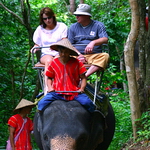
[(93, 34), (64, 74)]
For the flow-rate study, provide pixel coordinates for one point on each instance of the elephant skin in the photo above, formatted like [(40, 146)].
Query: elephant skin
[(66, 125)]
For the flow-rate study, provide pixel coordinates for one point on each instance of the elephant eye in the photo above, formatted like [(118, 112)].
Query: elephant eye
[(45, 137), (82, 138)]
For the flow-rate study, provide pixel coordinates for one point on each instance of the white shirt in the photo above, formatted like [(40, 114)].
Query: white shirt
[(43, 37)]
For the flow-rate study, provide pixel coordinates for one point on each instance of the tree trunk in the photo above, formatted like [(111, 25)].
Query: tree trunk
[(144, 59), (122, 68), (81, 1), (25, 21), (72, 6), (129, 62)]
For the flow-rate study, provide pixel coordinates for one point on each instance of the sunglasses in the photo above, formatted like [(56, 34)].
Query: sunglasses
[(78, 15), (47, 18)]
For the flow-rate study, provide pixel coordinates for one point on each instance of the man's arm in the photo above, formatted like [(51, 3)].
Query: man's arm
[(49, 85), (89, 48), (83, 82)]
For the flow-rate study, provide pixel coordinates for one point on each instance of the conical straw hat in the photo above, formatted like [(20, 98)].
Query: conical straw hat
[(24, 103), (65, 43)]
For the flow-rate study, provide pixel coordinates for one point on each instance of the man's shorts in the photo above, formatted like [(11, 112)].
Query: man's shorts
[(98, 59)]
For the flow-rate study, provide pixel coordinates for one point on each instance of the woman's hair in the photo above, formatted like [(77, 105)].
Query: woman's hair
[(49, 12)]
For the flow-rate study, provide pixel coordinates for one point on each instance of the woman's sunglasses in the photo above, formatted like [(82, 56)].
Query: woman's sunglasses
[(47, 18)]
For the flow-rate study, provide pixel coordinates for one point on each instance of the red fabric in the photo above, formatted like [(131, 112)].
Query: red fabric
[(66, 77), (107, 88), (146, 23), (23, 142)]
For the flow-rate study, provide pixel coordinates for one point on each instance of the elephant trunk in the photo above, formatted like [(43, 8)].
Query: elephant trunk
[(62, 143)]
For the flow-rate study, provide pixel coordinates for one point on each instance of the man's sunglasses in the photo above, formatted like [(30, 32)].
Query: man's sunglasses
[(79, 15), (47, 18)]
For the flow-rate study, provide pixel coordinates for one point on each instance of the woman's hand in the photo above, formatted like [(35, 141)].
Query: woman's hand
[(34, 49)]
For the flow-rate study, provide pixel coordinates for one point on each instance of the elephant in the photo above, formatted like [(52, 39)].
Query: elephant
[(67, 125)]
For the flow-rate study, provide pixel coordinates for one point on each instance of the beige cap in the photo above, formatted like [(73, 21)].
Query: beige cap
[(24, 103), (65, 43), (83, 9)]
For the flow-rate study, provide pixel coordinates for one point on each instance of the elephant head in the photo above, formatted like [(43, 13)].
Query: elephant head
[(68, 126)]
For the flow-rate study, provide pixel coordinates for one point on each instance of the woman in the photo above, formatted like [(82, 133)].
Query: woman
[(48, 32), (21, 122)]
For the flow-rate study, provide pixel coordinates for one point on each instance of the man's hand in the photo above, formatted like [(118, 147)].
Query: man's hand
[(50, 90), (89, 48), (82, 58), (81, 90)]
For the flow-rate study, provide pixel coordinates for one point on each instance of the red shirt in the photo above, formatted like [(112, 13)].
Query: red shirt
[(66, 77), (146, 23), (23, 142)]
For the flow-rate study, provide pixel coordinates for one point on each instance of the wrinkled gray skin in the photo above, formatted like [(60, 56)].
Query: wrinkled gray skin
[(68, 126)]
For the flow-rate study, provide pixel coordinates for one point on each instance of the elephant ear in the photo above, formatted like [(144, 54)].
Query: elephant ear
[(37, 130), (98, 125)]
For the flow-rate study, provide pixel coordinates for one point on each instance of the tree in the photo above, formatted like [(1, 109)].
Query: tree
[(18, 27), (25, 21), (129, 62), (73, 6), (144, 58), (139, 91)]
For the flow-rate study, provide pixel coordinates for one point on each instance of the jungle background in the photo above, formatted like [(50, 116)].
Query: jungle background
[(18, 21)]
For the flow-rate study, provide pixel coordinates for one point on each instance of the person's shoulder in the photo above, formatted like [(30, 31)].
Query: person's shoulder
[(74, 24), (54, 61), (97, 22), (17, 116), (61, 23), (40, 27), (14, 117)]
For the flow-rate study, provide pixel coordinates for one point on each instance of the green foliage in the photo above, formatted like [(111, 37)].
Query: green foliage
[(3, 135), (121, 105), (143, 125), (111, 76), (5, 113), (14, 50), (123, 131), (120, 102)]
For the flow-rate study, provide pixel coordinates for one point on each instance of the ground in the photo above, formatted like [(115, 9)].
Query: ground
[(142, 145)]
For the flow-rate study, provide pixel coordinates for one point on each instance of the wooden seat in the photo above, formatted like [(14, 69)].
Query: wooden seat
[(42, 65), (39, 65)]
